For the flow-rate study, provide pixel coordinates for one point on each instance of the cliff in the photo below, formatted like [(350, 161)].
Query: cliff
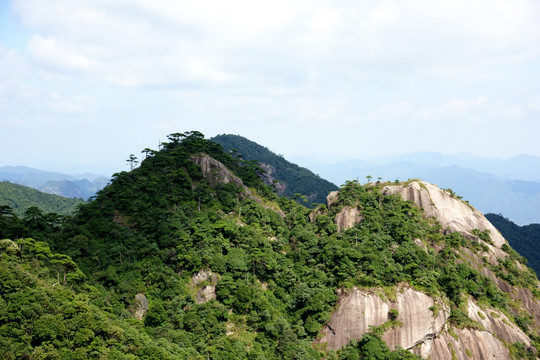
[(421, 322)]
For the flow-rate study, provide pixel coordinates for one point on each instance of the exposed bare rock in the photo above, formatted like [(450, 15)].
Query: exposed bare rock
[(215, 172), (421, 244), (467, 344), (497, 324), (269, 179), (142, 306), (524, 296), (332, 198), (451, 213), (316, 212), (419, 323), (204, 282), (347, 218), (359, 309), (424, 328), (528, 301), (355, 312)]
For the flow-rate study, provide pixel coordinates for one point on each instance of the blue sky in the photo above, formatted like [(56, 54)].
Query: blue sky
[(85, 83)]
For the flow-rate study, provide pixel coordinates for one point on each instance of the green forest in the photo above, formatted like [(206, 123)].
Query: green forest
[(19, 198), (308, 187), (69, 284), (524, 239)]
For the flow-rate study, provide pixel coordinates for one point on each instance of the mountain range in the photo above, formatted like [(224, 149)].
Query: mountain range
[(192, 256), (80, 186), (502, 186), (510, 187)]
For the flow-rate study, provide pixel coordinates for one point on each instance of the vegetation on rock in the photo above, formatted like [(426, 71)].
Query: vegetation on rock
[(289, 179), (523, 239), (69, 289)]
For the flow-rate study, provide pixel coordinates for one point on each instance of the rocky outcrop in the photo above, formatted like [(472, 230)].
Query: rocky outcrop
[(421, 326), (451, 212), (464, 344), (141, 303), (528, 301), (270, 180), (204, 283), (332, 198), (215, 172), (358, 310), (347, 218), (496, 323)]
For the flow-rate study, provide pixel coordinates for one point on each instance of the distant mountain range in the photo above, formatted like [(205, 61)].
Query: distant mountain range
[(81, 186), (510, 187), (507, 186)]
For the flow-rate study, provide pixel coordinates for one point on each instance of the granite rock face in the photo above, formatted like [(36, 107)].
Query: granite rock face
[(347, 218), (496, 323), (422, 326), (451, 212), (215, 172), (204, 282), (142, 306), (466, 344), (360, 309), (421, 322)]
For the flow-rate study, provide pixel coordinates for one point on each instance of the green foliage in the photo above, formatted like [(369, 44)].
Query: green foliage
[(373, 348), (524, 239), (19, 198), (287, 178), (69, 291)]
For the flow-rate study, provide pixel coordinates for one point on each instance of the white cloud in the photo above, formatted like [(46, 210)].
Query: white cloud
[(458, 106), (391, 112), (275, 67), (50, 51), (70, 105)]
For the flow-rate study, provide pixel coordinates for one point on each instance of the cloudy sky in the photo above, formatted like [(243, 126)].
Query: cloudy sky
[(84, 83)]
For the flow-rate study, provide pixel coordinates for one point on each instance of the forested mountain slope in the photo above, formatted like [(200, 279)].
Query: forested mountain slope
[(192, 256), (524, 239), (20, 198), (291, 178)]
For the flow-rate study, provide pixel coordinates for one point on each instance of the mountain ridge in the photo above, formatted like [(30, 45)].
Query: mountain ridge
[(20, 198), (517, 199), (288, 178), (191, 255), (71, 186)]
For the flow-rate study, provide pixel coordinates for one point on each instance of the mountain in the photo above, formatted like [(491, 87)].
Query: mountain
[(82, 186), (291, 178), (517, 198), (520, 167), (20, 198), (524, 239), (192, 256)]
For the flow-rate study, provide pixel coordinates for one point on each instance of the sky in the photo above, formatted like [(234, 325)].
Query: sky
[(85, 83)]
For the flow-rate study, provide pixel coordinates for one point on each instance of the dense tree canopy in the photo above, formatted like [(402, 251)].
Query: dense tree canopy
[(288, 178), (69, 286)]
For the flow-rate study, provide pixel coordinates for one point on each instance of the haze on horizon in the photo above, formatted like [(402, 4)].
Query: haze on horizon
[(85, 83)]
